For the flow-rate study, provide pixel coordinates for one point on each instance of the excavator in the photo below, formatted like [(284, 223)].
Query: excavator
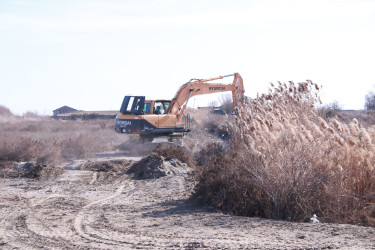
[(156, 118)]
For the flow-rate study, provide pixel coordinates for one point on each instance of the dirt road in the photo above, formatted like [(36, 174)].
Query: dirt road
[(95, 210)]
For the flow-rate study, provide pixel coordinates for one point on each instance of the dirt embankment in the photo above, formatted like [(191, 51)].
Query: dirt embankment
[(120, 204)]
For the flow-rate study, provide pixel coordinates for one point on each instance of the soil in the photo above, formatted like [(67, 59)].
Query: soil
[(154, 166), (109, 204), (31, 170)]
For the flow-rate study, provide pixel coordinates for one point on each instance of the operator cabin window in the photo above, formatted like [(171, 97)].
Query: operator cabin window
[(147, 107), (130, 104), (158, 108), (137, 105), (161, 107), (166, 105)]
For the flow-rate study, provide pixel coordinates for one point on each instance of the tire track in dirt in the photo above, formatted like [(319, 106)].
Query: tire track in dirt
[(11, 206), (4, 224), (32, 239), (149, 195), (79, 220), (94, 177), (15, 226)]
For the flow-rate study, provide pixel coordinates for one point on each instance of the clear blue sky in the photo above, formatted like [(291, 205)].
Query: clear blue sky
[(89, 54)]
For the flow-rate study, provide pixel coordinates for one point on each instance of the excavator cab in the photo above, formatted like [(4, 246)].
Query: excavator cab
[(146, 117)]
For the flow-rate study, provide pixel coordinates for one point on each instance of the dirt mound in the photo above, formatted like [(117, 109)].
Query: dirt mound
[(32, 170), (107, 166), (172, 151), (154, 166)]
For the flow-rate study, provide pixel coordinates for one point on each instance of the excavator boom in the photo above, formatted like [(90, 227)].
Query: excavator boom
[(205, 86)]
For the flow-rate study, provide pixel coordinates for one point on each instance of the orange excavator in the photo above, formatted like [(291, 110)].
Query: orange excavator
[(155, 118)]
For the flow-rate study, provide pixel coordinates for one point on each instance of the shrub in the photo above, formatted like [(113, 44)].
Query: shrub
[(285, 162), (5, 111), (74, 148), (211, 155), (330, 110), (50, 141), (20, 149), (226, 103)]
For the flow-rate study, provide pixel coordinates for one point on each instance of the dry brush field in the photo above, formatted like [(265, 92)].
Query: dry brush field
[(248, 181)]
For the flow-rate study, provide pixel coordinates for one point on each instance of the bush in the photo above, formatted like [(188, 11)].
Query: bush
[(226, 103), (5, 111), (50, 141), (25, 150), (330, 110), (211, 155), (285, 162)]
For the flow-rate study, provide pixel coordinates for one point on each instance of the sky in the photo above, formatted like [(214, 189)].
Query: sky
[(89, 54)]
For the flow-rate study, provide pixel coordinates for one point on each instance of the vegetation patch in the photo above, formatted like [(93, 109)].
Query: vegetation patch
[(286, 162), (49, 141)]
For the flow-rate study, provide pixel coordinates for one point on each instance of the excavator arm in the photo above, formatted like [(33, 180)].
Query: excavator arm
[(204, 86)]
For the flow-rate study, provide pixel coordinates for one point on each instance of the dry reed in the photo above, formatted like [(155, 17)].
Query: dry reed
[(286, 162)]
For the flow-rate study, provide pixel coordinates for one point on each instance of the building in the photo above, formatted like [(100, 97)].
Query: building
[(64, 110)]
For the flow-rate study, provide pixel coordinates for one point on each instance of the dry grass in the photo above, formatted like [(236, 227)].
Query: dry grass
[(286, 162), (50, 141), (366, 118)]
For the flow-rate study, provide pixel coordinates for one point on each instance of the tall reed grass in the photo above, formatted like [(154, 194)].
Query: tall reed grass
[(286, 162)]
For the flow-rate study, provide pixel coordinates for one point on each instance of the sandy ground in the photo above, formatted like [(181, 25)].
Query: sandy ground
[(83, 209)]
